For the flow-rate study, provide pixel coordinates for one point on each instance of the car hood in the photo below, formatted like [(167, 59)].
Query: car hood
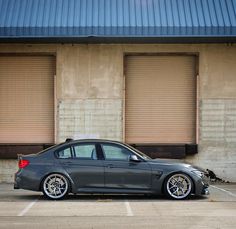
[(174, 162)]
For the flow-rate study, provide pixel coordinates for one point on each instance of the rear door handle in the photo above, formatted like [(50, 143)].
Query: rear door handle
[(110, 166), (67, 163)]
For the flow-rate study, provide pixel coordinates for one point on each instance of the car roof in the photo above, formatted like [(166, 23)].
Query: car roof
[(93, 140), (72, 141)]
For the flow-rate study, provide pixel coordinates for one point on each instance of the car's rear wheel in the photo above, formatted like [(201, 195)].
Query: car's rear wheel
[(178, 186), (55, 186)]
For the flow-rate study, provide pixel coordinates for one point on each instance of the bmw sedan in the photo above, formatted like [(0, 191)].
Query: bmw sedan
[(103, 166)]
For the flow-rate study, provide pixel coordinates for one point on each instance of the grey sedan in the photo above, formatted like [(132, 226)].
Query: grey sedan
[(102, 166)]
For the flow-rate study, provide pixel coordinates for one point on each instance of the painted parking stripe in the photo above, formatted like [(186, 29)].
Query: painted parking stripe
[(28, 207), (223, 190), (128, 209)]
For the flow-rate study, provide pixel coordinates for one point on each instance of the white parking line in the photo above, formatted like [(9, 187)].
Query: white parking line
[(27, 208), (128, 209), (223, 190)]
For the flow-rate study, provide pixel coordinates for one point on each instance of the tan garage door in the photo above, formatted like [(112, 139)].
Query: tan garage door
[(160, 105), (27, 99)]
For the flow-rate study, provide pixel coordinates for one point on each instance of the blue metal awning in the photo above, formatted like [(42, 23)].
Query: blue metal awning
[(118, 20)]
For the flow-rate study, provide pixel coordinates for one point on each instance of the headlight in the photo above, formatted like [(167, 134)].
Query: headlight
[(198, 173)]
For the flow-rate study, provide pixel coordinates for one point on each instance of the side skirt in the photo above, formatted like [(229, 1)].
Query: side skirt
[(115, 190)]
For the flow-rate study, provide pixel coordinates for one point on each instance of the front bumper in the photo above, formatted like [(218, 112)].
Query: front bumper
[(205, 190), (201, 186), (205, 184)]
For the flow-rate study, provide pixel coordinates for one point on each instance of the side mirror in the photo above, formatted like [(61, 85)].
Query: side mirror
[(134, 158)]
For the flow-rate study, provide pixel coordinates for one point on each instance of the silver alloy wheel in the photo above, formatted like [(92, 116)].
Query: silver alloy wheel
[(179, 186), (55, 186)]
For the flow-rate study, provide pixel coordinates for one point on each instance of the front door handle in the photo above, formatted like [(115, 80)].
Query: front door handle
[(110, 166)]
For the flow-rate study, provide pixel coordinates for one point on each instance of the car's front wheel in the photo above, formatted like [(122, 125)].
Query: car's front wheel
[(178, 186), (55, 186)]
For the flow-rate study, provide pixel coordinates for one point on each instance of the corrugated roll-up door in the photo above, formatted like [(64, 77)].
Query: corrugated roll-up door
[(160, 104), (27, 99)]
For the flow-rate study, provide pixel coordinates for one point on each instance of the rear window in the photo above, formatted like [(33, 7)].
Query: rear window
[(65, 153), (85, 151), (49, 148)]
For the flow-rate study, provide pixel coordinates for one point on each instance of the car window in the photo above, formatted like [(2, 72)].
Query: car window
[(65, 153), (113, 152), (85, 151)]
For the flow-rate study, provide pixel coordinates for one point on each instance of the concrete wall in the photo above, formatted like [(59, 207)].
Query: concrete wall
[(90, 93), (7, 169), (218, 111)]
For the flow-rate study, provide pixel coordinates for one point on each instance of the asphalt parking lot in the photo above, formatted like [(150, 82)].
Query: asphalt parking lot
[(26, 209)]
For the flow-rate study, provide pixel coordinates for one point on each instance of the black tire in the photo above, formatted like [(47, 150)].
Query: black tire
[(178, 186), (55, 186)]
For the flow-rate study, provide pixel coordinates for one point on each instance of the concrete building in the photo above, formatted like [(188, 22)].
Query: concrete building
[(160, 75)]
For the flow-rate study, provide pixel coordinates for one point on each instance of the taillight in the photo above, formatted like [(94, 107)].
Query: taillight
[(23, 163)]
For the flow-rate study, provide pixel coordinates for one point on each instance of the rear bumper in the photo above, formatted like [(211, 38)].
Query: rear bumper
[(24, 181), (17, 181), (16, 186)]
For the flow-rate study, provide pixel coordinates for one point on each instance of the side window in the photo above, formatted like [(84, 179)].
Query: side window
[(113, 152), (65, 153), (85, 151)]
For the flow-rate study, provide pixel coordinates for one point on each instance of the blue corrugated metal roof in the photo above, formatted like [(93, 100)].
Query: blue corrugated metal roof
[(117, 18)]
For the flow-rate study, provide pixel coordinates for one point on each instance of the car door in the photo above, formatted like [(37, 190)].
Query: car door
[(120, 173), (84, 166)]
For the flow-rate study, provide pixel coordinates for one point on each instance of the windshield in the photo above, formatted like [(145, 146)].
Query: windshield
[(141, 154)]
